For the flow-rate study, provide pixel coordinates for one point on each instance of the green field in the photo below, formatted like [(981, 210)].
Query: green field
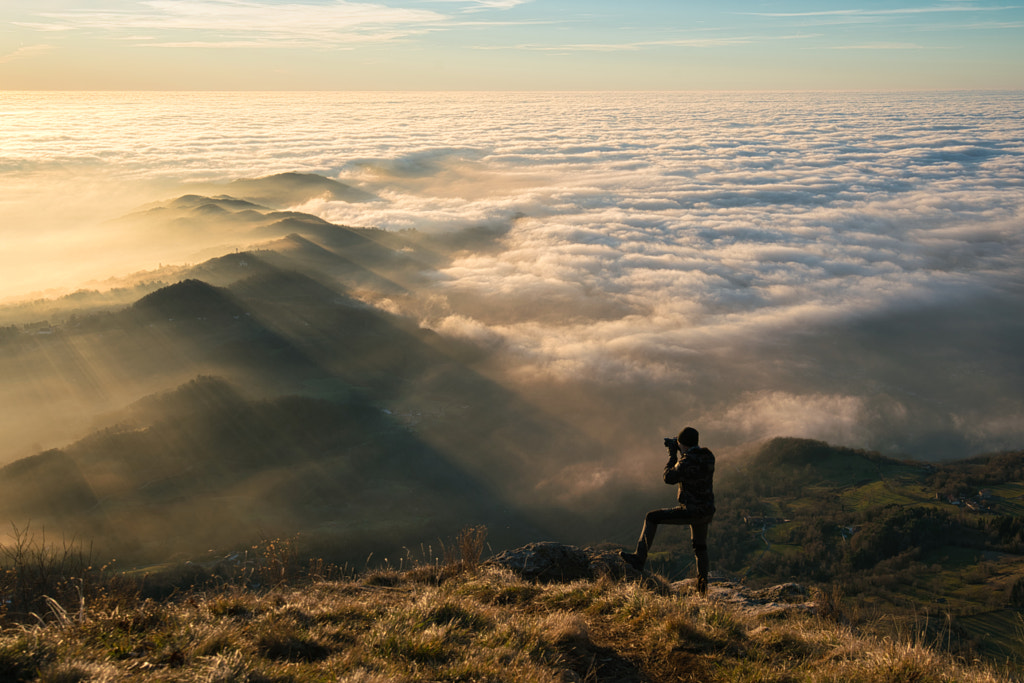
[(876, 494), (1009, 498), (999, 634)]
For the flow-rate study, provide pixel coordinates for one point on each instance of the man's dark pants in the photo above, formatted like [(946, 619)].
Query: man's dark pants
[(698, 523)]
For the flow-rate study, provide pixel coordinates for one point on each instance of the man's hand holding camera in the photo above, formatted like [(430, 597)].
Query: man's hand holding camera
[(673, 450)]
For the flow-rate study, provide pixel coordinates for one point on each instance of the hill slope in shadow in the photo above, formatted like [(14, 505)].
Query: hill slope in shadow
[(258, 395)]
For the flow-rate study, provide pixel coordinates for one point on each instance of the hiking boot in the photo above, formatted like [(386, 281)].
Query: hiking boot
[(633, 560)]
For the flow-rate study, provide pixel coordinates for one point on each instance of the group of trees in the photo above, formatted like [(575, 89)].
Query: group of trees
[(965, 477)]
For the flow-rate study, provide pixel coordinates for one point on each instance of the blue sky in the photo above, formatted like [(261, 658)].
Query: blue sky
[(511, 44)]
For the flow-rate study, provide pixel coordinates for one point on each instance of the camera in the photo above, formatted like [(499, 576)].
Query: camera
[(670, 443)]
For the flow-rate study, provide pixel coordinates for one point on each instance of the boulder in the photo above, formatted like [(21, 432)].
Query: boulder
[(550, 561)]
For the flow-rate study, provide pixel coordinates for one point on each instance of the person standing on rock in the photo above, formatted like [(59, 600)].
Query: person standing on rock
[(692, 467)]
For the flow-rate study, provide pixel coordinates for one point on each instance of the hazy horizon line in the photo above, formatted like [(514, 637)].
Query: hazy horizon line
[(522, 90)]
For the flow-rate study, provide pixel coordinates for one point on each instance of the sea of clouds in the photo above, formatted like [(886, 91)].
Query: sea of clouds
[(844, 266)]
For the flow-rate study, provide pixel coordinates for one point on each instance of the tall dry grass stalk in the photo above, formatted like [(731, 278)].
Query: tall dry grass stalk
[(40, 578)]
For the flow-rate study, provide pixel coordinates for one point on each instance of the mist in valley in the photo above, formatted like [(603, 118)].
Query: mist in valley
[(381, 347)]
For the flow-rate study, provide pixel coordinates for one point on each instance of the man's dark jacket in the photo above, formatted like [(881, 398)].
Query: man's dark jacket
[(694, 471)]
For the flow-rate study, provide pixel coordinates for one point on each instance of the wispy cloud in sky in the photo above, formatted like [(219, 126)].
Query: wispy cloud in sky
[(25, 52), (488, 4), (707, 42), (270, 25), (888, 12), (879, 46)]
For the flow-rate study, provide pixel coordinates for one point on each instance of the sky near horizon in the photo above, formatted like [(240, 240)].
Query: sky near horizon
[(510, 45)]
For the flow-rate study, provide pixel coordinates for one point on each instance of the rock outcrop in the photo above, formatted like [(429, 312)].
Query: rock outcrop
[(549, 561)]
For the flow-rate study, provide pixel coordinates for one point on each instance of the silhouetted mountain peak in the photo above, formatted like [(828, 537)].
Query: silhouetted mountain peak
[(218, 204), (225, 270), (187, 299), (786, 463), (287, 189), (790, 452), (210, 210)]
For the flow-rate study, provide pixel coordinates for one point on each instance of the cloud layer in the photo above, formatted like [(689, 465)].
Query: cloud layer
[(762, 252)]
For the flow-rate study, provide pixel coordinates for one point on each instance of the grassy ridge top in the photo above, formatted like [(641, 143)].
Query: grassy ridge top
[(458, 622)]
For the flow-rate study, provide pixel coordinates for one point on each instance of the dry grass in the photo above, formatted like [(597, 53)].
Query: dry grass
[(267, 621), (475, 624)]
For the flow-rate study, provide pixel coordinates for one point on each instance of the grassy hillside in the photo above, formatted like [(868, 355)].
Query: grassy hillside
[(455, 620)]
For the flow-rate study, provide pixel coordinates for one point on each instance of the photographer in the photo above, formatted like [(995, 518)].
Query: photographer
[(692, 468)]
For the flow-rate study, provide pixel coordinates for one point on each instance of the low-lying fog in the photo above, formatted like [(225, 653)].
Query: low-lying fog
[(843, 266)]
